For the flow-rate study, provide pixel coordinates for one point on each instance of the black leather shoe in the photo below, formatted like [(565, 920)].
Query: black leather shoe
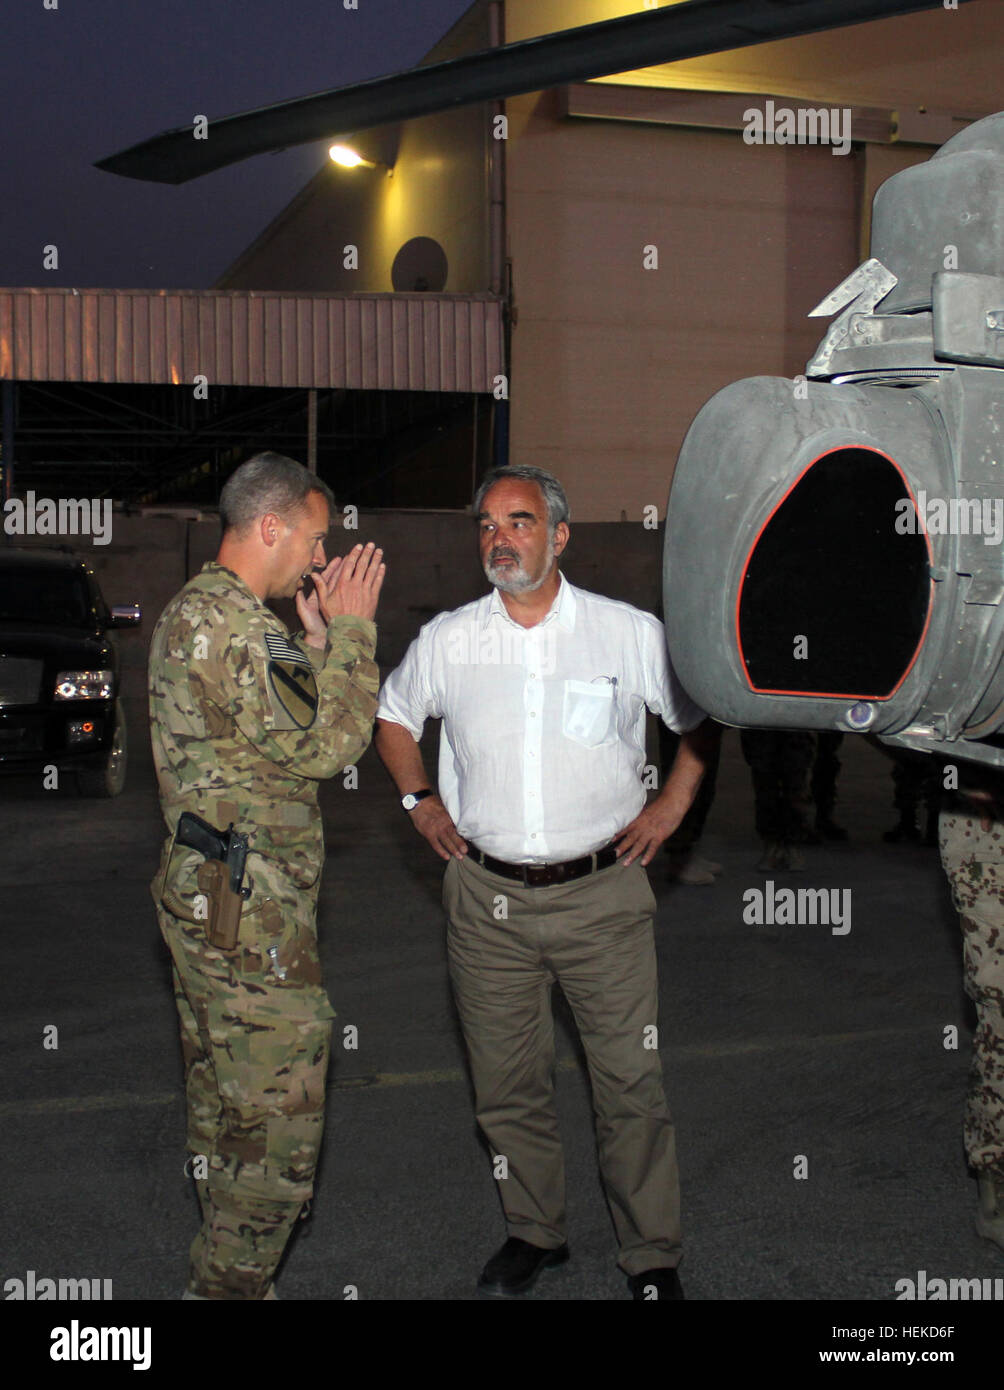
[(659, 1283), (514, 1269)]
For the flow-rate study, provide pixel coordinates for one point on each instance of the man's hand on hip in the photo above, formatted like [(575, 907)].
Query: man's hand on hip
[(433, 821), (657, 821), (650, 827)]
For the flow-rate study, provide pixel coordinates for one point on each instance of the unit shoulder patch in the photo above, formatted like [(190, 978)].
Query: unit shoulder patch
[(291, 683)]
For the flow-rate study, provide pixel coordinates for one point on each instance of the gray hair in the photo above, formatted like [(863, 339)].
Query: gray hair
[(554, 494), (268, 482)]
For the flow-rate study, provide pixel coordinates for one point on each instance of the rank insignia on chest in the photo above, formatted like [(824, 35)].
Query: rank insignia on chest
[(291, 683)]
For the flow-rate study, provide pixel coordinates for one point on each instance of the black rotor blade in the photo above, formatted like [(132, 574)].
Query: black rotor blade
[(688, 30)]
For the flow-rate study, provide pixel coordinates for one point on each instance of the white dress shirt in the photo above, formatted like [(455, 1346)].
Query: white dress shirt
[(543, 742)]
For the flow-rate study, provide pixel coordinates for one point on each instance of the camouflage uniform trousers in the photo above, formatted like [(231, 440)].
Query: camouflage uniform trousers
[(256, 1050), (825, 770), (973, 859), (781, 764)]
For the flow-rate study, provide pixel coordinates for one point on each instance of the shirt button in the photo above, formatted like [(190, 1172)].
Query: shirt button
[(533, 714)]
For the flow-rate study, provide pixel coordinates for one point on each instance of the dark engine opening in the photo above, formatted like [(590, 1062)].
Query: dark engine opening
[(831, 569)]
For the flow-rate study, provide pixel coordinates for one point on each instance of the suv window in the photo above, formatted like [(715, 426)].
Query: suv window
[(54, 598)]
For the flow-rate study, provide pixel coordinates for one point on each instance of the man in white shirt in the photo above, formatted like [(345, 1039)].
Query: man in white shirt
[(542, 817)]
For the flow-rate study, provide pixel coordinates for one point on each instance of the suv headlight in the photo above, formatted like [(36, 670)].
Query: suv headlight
[(84, 685)]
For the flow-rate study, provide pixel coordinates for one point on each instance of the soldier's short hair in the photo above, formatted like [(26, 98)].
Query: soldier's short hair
[(268, 482), (554, 494)]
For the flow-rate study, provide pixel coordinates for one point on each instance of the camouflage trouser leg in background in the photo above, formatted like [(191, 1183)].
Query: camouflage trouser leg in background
[(256, 1053), (973, 859), (916, 778), (825, 770), (780, 764)]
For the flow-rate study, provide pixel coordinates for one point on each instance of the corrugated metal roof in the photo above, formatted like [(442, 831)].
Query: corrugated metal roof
[(388, 342)]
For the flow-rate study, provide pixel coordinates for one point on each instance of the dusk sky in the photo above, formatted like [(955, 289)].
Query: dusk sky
[(91, 77)]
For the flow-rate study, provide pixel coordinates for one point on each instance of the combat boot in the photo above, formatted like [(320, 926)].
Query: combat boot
[(990, 1217)]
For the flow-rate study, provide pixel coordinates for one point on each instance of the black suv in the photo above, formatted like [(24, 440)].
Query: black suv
[(59, 671)]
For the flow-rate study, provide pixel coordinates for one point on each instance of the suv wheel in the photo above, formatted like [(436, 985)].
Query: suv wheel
[(108, 780)]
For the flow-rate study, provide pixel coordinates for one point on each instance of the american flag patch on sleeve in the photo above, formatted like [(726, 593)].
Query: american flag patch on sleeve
[(281, 649)]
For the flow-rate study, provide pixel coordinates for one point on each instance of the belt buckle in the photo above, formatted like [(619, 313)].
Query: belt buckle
[(536, 875)]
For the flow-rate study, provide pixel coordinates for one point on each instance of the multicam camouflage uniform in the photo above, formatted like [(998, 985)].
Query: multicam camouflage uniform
[(781, 766), (245, 722), (973, 859)]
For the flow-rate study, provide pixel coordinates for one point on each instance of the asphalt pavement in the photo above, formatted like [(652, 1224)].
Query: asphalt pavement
[(818, 1108)]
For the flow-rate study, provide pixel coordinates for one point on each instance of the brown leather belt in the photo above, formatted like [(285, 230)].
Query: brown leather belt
[(544, 875)]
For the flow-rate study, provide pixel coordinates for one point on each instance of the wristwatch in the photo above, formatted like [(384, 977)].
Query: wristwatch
[(411, 800)]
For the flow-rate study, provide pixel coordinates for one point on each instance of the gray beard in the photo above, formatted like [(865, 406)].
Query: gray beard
[(518, 581)]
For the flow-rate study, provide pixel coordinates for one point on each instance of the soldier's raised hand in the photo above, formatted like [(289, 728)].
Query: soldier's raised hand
[(351, 584)]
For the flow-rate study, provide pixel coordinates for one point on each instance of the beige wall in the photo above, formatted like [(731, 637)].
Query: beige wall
[(438, 189), (612, 361)]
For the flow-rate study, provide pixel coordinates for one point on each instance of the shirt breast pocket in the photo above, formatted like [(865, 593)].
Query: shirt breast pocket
[(588, 712)]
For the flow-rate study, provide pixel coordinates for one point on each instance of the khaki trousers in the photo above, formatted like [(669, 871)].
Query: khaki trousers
[(507, 945)]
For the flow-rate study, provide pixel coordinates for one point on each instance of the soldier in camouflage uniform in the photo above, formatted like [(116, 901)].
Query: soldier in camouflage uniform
[(971, 833), (916, 779), (245, 722), (780, 762)]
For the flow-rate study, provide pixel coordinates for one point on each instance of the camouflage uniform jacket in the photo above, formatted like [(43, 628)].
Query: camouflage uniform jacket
[(245, 722)]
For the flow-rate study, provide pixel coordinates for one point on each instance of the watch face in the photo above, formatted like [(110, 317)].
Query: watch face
[(409, 802)]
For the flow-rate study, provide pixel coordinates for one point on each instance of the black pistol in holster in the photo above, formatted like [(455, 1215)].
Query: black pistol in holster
[(221, 877)]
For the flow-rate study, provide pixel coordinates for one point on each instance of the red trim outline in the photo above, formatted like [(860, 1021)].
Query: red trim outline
[(831, 694)]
